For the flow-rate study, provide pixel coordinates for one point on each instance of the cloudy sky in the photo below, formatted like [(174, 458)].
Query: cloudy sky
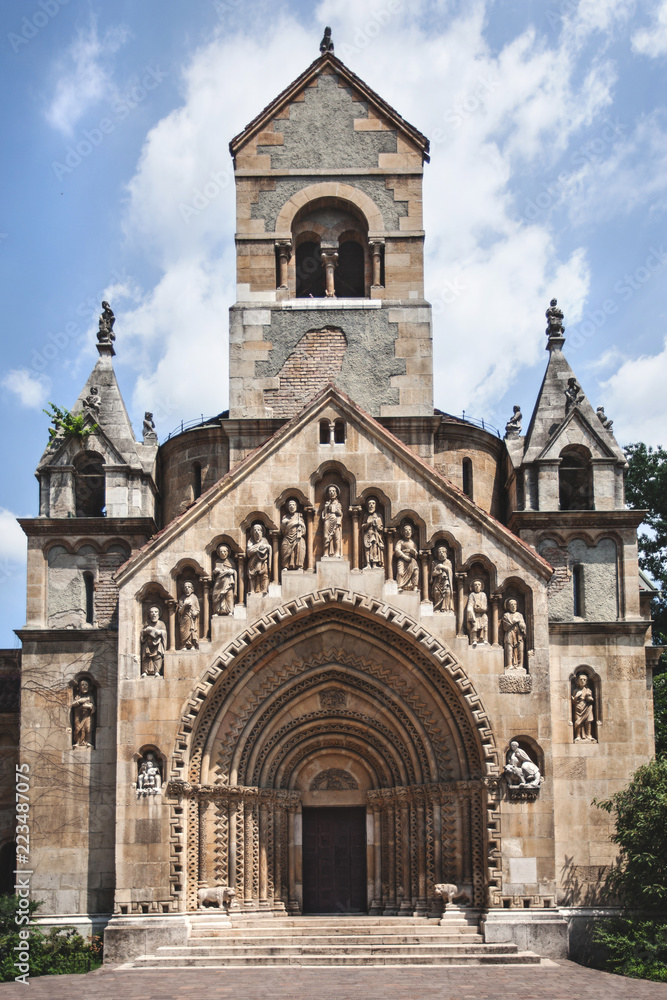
[(548, 177)]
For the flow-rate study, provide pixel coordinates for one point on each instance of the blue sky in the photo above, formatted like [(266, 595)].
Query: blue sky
[(548, 176)]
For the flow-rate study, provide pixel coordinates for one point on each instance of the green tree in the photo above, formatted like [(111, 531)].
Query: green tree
[(646, 489), (65, 424)]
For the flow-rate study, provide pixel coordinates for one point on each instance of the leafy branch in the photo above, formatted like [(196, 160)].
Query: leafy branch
[(66, 424)]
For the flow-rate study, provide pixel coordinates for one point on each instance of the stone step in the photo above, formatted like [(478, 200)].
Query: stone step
[(222, 951), (305, 960), (232, 940), (239, 920)]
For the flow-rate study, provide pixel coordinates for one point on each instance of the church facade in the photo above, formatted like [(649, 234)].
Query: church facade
[(333, 647)]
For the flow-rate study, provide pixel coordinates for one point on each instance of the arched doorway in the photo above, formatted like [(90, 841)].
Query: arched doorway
[(337, 728)]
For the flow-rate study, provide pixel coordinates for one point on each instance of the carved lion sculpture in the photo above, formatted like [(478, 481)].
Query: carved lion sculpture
[(451, 893), (217, 895)]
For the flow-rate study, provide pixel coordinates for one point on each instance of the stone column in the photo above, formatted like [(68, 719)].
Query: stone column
[(376, 905), (202, 879), (391, 903), (263, 854), (310, 538), (171, 624), (284, 250), (423, 558), (460, 605), (329, 258), (275, 556), (377, 247), (404, 848), (495, 617), (241, 578), (205, 620), (390, 553), (292, 904), (355, 512)]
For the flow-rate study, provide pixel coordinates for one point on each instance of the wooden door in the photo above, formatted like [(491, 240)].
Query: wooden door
[(334, 860)]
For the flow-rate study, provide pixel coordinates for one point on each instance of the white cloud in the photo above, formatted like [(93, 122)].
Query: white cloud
[(653, 41), (13, 545), (635, 397), (32, 390), (83, 76)]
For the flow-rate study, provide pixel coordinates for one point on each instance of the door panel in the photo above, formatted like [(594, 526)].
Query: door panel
[(334, 860)]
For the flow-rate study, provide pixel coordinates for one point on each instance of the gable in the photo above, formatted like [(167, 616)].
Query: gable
[(576, 430)]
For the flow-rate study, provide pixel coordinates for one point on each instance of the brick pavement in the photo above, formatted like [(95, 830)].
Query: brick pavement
[(564, 981)]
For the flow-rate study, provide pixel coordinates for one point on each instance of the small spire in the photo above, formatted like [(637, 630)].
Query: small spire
[(105, 334), (326, 45)]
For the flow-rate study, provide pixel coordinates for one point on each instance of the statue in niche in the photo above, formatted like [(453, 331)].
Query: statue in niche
[(582, 710), (332, 523), (93, 402), (573, 394), (149, 434), (514, 629), (105, 334), (407, 560), (373, 529), (513, 425), (477, 613), (442, 580), (83, 710), (554, 317), (604, 419), (293, 544), (149, 781), (153, 643), (520, 770), (258, 554), (224, 582), (188, 617)]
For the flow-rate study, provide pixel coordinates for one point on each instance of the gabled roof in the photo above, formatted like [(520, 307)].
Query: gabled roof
[(550, 416), (384, 438), (315, 68)]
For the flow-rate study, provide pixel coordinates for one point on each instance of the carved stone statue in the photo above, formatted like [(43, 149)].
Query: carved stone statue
[(149, 434), (573, 393), (326, 45), (188, 617), (582, 711), (514, 629), (520, 770), (83, 710), (477, 613), (450, 893), (149, 781), (373, 535), (224, 582), (513, 425), (93, 402), (221, 896), (258, 555), (105, 334), (604, 419), (407, 560), (442, 580), (293, 544), (554, 316), (332, 523), (153, 643)]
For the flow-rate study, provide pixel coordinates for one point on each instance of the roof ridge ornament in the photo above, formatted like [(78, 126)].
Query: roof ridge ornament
[(326, 45), (105, 334), (555, 328)]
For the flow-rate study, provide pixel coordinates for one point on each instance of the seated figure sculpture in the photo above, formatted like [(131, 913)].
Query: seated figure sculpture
[(520, 770), (149, 781)]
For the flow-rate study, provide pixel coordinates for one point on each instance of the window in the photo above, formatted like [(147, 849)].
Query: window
[(349, 275), (196, 480), (89, 585), (575, 480), (339, 432), (324, 432), (578, 609), (467, 477), (89, 486), (309, 271)]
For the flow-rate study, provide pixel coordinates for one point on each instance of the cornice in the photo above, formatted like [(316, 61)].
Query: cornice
[(36, 526)]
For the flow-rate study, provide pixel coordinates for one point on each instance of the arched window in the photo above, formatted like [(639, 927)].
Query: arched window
[(309, 271), (196, 480), (349, 279), (325, 433), (467, 477), (89, 586), (339, 432), (89, 486), (578, 604), (575, 480)]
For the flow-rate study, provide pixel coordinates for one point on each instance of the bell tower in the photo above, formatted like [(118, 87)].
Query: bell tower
[(330, 252)]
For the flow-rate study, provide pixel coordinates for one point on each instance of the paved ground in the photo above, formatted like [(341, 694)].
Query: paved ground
[(565, 981)]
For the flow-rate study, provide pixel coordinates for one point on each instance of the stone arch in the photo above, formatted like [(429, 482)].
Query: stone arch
[(329, 189)]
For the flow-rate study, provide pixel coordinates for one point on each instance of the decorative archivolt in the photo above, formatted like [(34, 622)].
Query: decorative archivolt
[(400, 634)]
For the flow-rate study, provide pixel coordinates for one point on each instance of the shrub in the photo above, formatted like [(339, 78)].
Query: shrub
[(61, 951)]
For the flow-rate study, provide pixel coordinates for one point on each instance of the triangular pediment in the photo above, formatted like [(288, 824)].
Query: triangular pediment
[(326, 64), (65, 450), (577, 430), (371, 460)]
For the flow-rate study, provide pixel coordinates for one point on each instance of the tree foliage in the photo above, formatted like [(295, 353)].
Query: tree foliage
[(60, 952), (66, 424)]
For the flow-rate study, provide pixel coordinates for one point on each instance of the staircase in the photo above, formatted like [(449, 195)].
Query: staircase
[(335, 941)]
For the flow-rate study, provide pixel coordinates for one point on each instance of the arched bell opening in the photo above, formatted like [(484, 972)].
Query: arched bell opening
[(336, 708)]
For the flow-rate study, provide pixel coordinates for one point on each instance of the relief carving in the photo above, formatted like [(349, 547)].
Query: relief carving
[(373, 535), (406, 554), (258, 555), (224, 582), (293, 544), (332, 523), (333, 698), (188, 617), (153, 643), (477, 614), (334, 779), (442, 580), (149, 780), (520, 771)]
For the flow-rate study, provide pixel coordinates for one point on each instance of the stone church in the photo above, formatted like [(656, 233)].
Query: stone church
[(333, 647)]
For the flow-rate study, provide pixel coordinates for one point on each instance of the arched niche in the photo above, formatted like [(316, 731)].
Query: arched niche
[(575, 479), (585, 704), (84, 709), (89, 485), (513, 588)]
